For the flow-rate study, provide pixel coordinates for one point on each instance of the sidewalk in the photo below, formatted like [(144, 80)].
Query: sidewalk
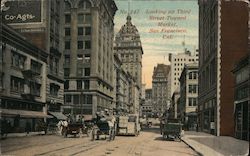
[(16, 135), (210, 145)]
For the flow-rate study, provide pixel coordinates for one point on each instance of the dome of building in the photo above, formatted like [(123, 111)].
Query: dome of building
[(128, 28)]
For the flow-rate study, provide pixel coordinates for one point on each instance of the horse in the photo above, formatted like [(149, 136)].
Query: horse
[(62, 125)]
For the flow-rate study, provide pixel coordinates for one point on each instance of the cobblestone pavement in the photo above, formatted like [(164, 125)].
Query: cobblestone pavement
[(148, 143)]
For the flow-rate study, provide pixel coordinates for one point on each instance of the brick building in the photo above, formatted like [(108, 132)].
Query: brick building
[(222, 42)]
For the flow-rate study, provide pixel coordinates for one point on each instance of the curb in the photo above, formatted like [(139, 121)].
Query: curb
[(200, 154), (20, 135)]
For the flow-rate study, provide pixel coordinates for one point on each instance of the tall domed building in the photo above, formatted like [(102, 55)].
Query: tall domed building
[(128, 47)]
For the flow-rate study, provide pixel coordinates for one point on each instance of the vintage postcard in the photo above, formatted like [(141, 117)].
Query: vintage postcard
[(124, 77)]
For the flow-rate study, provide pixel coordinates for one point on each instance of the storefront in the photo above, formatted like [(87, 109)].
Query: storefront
[(22, 120), (241, 120), (242, 98)]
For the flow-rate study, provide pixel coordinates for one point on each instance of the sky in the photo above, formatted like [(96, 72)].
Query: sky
[(165, 26)]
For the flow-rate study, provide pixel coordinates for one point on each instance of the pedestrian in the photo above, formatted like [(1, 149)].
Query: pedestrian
[(27, 127), (83, 120), (3, 128)]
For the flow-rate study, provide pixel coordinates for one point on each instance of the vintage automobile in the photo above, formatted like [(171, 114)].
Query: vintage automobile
[(72, 129), (171, 128)]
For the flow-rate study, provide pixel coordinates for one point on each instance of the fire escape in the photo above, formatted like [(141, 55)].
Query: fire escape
[(31, 80)]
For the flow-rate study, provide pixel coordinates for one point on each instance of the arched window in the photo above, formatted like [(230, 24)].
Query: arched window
[(84, 4), (67, 6), (88, 4)]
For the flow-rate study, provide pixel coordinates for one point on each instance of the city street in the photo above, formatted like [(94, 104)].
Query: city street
[(148, 143)]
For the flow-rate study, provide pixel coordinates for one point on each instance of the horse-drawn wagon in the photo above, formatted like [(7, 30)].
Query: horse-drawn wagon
[(105, 126)]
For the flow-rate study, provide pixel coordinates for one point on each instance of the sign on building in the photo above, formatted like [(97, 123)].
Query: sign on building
[(21, 11)]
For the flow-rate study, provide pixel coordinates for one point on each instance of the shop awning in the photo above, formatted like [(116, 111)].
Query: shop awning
[(58, 115), (23, 113)]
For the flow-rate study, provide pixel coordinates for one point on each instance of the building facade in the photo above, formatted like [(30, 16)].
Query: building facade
[(188, 96), (143, 96), (146, 107), (177, 62), (88, 30), (242, 98), (222, 42), (134, 96), (23, 75), (121, 90), (159, 88), (128, 46), (44, 31), (175, 102)]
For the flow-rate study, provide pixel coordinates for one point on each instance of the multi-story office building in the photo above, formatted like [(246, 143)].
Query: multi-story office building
[(188, 96), (242, 98), (177, 62), (88, 54), (42, 27), (146, 107), (159, 88), (121, 90), (128, 46), (23, 75), (222, 42)]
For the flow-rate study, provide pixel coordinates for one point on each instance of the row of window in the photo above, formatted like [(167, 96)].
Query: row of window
[(80, 57), (83, 4), (17, 86), (18, 61), (82, 84), (192, 101), (78, 99), (129, 57), (81, 31), (190, 60), (80, 71), (192, 88), (21, 105), (178, 69), (83, 45), (145, 107), (192, 75), (81, 18)]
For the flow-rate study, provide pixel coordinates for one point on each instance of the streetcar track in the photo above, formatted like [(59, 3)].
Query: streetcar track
[(66, 148), (85, 150), (51, 151)]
